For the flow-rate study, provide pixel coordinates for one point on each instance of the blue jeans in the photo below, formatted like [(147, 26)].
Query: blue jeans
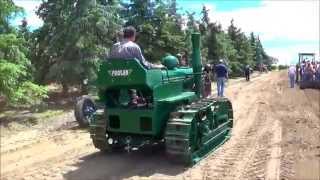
[(317, 76), (291, 77), (220, 86)]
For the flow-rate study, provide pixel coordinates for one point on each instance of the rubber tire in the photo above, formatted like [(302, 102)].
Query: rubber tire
[(78, 111)]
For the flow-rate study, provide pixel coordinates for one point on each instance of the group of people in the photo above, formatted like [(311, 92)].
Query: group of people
[(310, 70), (306, 71)]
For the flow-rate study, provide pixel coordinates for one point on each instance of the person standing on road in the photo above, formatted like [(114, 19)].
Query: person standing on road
[(221, 72), (207, 80), (297, 74), (292, 75), (247, 72), (317, 74)]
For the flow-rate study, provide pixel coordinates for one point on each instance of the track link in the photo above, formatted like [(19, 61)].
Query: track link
[(190, 136), (98, 132)]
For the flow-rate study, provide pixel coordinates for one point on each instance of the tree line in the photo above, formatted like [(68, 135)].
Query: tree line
[(77, 33)]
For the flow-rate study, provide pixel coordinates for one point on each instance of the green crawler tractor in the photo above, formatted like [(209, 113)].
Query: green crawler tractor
[(171, 109)]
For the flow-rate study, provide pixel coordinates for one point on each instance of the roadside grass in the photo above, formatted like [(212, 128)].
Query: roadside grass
[(14, 119)]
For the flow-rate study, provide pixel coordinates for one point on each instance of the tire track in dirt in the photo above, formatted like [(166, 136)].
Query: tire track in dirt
[(55, 147), (235, 160), (299, 113), (274, 165), (247, 154), (22, 140)]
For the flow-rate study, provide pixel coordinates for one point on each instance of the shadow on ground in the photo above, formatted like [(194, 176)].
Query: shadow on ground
[(113, 166)]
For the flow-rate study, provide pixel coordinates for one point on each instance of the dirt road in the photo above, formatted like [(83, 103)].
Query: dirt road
[(276, 136)]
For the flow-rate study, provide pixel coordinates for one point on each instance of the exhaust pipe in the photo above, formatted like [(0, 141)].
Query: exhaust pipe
[(196, 63)]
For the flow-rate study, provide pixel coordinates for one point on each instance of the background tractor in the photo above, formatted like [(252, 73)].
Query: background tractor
[(306, 77), (171, 111)]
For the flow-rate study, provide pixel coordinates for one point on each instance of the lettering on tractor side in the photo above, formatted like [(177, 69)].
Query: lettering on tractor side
[(120, 72)]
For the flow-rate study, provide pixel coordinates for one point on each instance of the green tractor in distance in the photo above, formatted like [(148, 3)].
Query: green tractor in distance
[(172, 110), (306, 78)]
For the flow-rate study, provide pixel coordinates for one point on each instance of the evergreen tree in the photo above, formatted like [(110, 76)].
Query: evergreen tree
[(74, 36), (8, 11), (205, 20), (159, 27), (212, 42), (243, 46), (16, 82)]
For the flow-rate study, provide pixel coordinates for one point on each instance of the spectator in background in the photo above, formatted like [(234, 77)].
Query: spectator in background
[(207, 80), (179, 57), (247, 72), (308, 72), (291, 74), (221, 72), (317, 74), (297, 74), (184, 59)]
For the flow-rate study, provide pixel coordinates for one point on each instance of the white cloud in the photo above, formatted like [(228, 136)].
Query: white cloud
[(30, 7), (278, 20), (294, 20), (288, 55)]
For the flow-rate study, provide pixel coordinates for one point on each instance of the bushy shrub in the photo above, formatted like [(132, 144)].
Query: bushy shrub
[(15, 74), (281, 67), (273, 67), (236, 69)]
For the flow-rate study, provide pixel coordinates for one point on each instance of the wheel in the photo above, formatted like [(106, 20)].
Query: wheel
[(83, 111)]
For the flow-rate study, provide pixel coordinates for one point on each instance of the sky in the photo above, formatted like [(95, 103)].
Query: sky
[(285, 27)]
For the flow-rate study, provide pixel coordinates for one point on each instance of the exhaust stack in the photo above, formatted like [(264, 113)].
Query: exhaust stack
[(196, 63)]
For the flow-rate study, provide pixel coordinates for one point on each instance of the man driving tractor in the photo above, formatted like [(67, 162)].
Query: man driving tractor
[(128, 49)]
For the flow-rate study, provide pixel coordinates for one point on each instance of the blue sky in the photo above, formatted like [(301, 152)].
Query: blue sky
[(220, 5), (285, 27)]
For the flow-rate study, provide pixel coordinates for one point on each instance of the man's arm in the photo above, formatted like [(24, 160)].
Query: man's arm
[(113, 51), (137, 53), (226, 70), (143, 61)]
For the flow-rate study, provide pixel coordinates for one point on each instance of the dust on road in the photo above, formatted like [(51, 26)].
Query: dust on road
[(275, 136)]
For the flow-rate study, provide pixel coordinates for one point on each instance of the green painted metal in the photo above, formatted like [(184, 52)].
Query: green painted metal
[(172, 108), (196, 62), (195, 131), (116, 73), (171, 62)]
